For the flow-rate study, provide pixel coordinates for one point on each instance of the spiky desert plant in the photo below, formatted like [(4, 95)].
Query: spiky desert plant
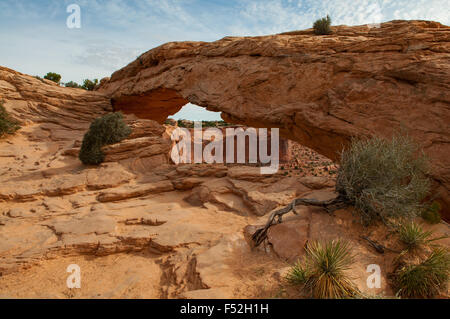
[(297, 275), (425, 279), (322, 26), (384, 178), (323, 272), (7, 124), (105, 130), (413, 236)]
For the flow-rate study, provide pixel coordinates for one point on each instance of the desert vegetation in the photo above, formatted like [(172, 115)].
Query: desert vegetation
[(322, 26), (413, 236), (424, 279), (384, 178), (52, 76), (422, 268), (7, 124), (323, 271), (72, 84), (88, 85), (105, 130)]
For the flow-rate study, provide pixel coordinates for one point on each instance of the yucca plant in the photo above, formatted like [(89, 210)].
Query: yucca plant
[(413, 236), (297, 275), (425, 279), (323, 271)]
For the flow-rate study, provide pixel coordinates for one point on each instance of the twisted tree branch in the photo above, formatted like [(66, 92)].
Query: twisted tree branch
[(329, 205)]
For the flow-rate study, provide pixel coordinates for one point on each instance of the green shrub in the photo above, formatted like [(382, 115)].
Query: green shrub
[(425, 279), (322, 26), (105, 130), (7, 124), (55, 77), (72, 84), (89, 85), (323, 271), (432, 214), (383, 178)]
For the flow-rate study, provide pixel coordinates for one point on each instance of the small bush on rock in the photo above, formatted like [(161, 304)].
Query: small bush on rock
[(322, 26), (52, 76), (89, 85), (323, 271), (105, 130), (7, 124), (72, 84)]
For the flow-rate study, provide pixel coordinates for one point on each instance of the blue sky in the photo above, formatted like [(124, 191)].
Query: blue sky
[(36, 40)]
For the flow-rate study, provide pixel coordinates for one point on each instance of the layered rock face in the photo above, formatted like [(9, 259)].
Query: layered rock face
[(63, 110), (319, 90)]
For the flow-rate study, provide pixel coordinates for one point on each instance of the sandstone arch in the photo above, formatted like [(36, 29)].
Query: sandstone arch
[(156, 105), (319, 90)]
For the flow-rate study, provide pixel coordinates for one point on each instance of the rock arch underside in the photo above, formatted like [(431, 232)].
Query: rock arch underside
[(319, 90), (159, 230)]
